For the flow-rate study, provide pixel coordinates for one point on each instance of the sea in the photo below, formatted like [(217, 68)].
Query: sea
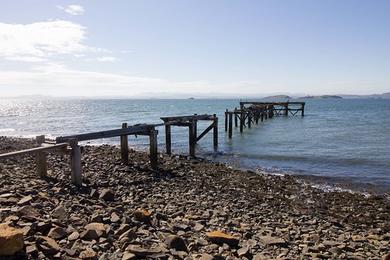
[(337, 142)]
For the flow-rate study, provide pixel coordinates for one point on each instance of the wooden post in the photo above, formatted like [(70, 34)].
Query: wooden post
[(235, 117), (124, 147), (215, 131), (195, 130), (41, 158), (242, 118), (168, 139), (75, 162), (262, 115), (271, 111), (192, 138), (230, 124), (303, 109), (249, 119), (286, 110), (153, 149), (226, 120)]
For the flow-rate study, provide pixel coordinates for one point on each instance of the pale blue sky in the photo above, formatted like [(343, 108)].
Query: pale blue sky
[(144, 47)]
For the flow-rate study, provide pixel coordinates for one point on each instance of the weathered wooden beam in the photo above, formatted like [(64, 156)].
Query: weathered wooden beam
[(168, 139), (235, 117), (124, 147), (153, 149), (187, 118), (230, 134), (75, 162), (208, 129), (215, 131), (249, 119), (303, 109), (41, 158), (226, 120), (131, 130), (33, 150), (242, 119), (192, 140)]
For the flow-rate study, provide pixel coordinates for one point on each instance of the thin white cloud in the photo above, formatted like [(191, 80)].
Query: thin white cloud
[(25, 58), (41, 39), (72, 9), (106, 59), (38, 41)]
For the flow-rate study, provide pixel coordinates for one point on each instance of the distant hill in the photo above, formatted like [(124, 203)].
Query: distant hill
[(322, 97), (379, 96), (277, 98)]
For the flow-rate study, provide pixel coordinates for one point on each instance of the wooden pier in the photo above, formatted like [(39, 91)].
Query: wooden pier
[(192, 123), (252, 112), (70, 144)]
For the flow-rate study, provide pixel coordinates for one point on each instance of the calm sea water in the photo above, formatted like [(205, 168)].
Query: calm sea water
[(341, 139)]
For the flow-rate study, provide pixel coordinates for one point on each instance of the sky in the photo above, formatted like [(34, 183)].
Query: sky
[(144, 48)]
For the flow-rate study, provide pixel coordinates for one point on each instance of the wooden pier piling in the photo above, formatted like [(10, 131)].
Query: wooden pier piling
[(75, 162), (153, 152), (230, 125), (124, 146), (41, 158), (215, 131)]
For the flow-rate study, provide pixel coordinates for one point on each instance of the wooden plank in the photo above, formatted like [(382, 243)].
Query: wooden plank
[(131, 130), (208, 129), (33, 150), (153, 152), (168, 139), (75, 163), (187, 118), (124, 147)]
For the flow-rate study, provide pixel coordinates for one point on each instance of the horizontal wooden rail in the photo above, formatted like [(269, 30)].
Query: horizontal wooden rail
[(131, 130), (186, 118), (33, 150)]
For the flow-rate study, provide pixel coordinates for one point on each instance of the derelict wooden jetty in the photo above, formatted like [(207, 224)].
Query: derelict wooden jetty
[(70, 144), (249, 113), (192, 123), (252, 112)]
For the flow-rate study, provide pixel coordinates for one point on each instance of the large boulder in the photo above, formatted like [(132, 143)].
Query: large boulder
[(11, 240)]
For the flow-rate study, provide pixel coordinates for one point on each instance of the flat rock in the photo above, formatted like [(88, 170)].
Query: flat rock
[(57, 233), (89, 253), (128, 256), (107, 195), (74, 236), (141, 251), (176, 243), (25, 200), (142, 215), (47, 245), (273, 241), (11, 240), (219, 237)]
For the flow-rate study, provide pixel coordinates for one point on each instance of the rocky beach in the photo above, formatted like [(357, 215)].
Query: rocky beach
[(188, 209)]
